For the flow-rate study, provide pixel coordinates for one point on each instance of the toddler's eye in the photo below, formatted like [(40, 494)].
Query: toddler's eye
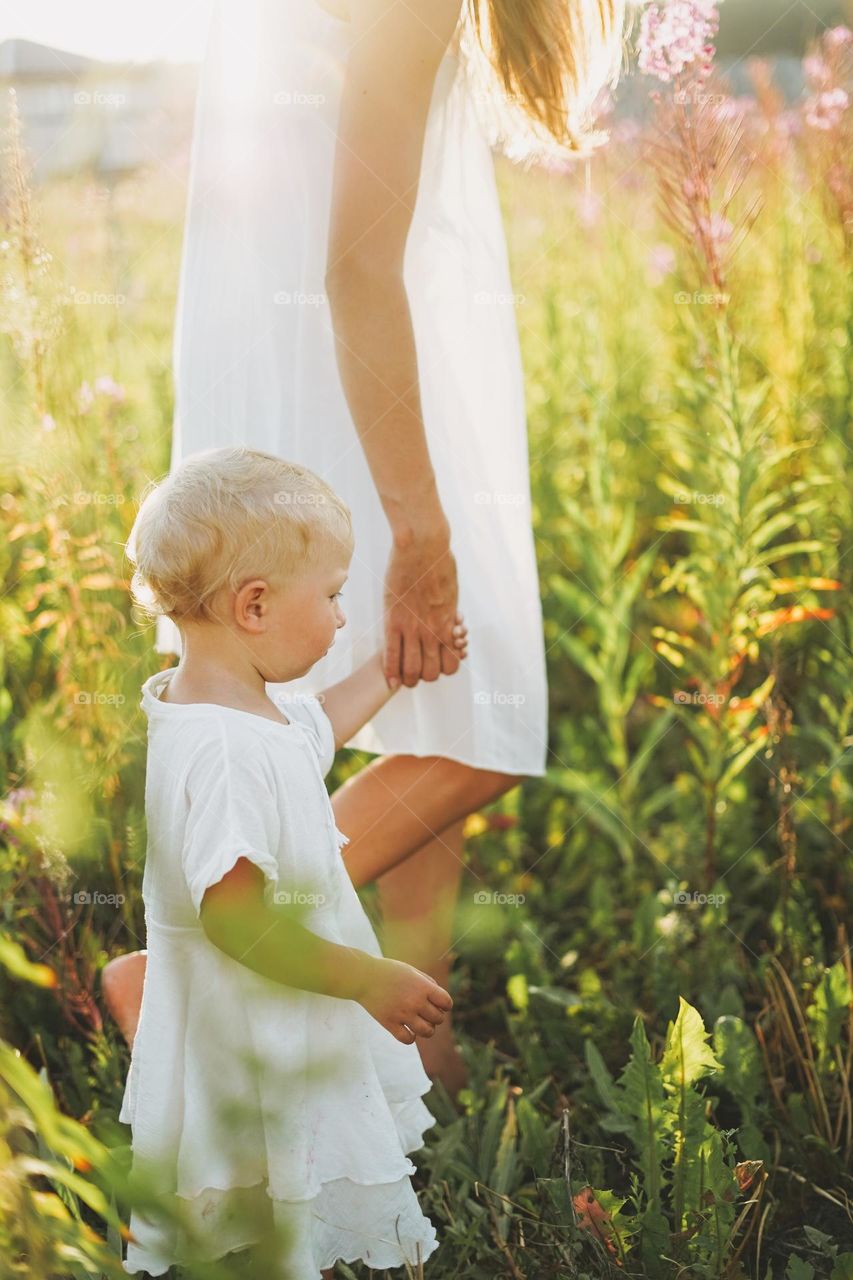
[(335, 596)]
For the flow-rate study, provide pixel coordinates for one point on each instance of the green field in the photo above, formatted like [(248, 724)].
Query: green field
[(656, 1012)]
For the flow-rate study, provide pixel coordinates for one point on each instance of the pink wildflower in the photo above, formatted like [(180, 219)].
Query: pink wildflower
[(717, 228), (816, 71), (676, 35), (589, 208), (838, 37), (661, 261), (105, 386), (827, 109)]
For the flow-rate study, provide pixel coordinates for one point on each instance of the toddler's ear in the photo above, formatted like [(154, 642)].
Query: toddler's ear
[(252, 601)]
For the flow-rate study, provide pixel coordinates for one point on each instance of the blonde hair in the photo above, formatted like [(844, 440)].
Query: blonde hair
[(537, 67), (225, 516)]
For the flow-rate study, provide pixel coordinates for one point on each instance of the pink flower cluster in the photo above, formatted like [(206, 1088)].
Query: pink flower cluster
[(822, 68), (104, 386), (826, 111), (675, 35)]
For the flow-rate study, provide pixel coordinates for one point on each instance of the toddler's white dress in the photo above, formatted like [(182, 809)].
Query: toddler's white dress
[(326, 1103), (254, 359)]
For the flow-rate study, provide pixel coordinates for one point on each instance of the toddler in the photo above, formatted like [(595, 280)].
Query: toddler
[(275, 1081)]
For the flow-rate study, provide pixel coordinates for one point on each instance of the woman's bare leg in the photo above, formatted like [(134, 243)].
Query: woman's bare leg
[(121, 984), (395, 804), (418, 902), (405, 816)]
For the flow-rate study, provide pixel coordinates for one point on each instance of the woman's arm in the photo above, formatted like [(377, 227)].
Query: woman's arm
[(395, 52)]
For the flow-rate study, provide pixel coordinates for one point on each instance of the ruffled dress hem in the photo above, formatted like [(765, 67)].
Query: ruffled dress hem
[(332, 1219), (334, 1222)]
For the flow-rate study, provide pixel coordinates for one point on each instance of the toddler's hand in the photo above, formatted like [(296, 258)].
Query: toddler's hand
[(405, 1001), (460, 637)]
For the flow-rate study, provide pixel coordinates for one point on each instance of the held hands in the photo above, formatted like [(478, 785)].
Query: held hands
[(424, 633), (405, 1001)]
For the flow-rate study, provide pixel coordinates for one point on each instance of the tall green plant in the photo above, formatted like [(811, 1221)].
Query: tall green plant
[(687, 1181)]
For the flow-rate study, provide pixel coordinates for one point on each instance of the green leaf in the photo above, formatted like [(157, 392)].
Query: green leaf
[(798, 1269), (741, 760), (829, 1011), (687, 1055), (643, 1100)]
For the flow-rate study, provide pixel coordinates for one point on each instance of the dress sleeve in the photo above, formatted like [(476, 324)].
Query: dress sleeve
[(232, 814)]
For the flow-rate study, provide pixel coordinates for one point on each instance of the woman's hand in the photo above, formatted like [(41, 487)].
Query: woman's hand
[(421, 617), (403, 1000)]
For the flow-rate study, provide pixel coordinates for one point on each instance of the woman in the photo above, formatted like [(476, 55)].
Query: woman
[(345, 302)]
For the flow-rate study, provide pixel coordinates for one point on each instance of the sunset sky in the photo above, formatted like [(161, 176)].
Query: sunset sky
[(106, 29)]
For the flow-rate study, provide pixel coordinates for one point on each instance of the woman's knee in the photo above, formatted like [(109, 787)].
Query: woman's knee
[(481, 786)]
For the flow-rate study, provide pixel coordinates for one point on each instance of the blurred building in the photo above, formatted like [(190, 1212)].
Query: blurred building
[(106, 118)]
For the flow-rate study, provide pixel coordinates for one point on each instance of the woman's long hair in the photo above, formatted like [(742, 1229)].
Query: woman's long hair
[(538, 66)]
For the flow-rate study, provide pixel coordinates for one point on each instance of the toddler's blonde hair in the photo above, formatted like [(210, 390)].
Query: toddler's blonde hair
[(225, 516)]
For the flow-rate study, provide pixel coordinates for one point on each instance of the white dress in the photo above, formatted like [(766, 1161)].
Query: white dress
[(326, 1102), (255, 362)]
